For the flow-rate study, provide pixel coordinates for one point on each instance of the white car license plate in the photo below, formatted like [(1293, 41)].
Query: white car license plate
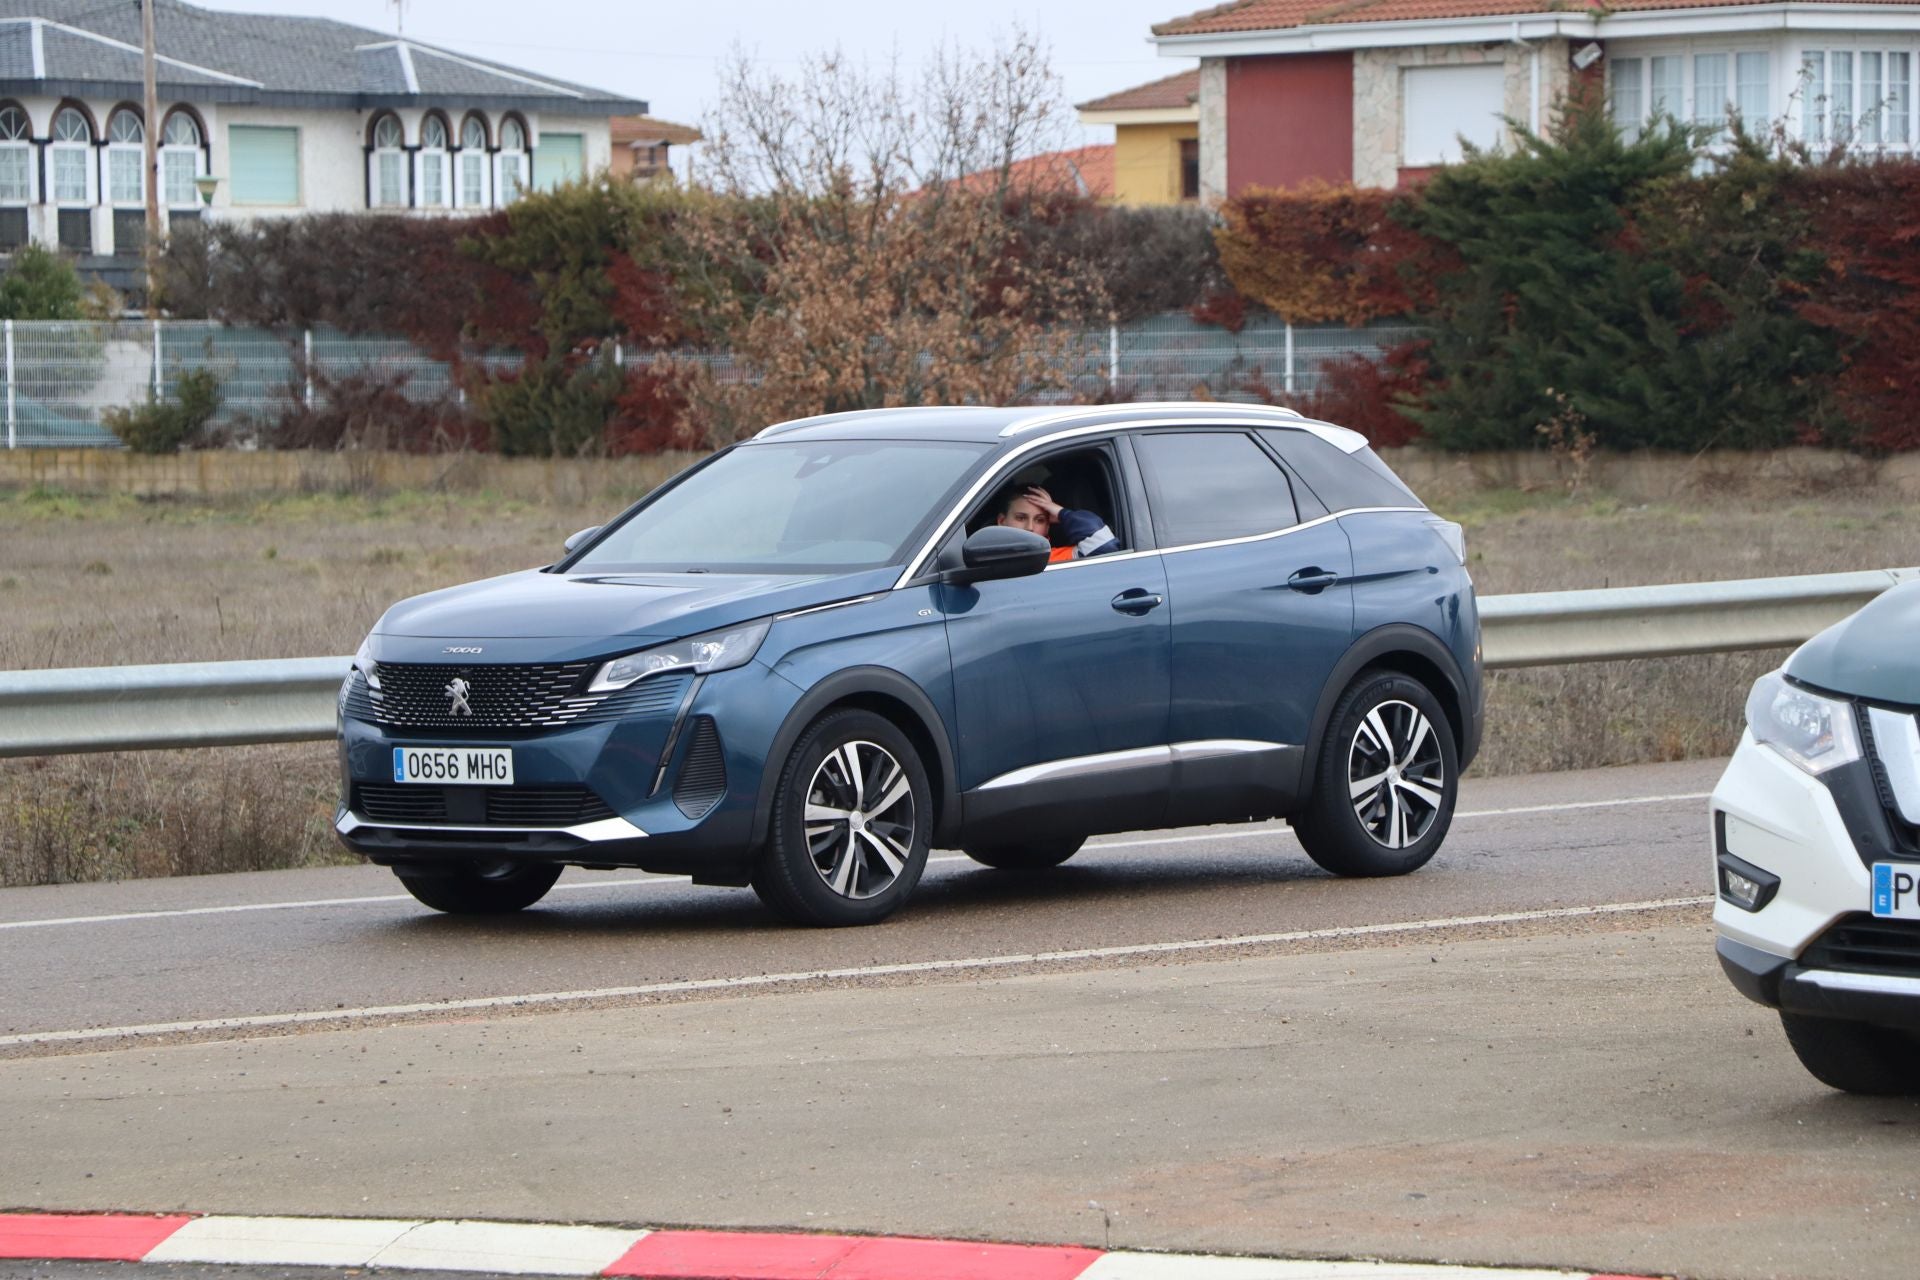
[(1896, 890), (454, 766)]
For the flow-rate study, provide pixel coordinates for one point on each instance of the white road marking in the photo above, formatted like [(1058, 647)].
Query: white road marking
[(288, 1242), (508, 1248), (1135, 950), (663, 881)]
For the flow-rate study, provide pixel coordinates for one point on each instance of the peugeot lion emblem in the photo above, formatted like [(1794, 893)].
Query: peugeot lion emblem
[(458, 691)]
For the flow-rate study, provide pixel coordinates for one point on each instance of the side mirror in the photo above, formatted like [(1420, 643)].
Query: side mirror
[(999, 552), (581, 537)]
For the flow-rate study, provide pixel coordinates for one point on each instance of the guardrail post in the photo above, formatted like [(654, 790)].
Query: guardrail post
[(1289, 357), (10, 433), (1113, 358)]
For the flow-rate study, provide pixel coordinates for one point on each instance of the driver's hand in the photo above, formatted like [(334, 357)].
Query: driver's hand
[(1046, 502)]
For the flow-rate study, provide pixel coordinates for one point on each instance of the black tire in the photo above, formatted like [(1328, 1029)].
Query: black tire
[(861, 866), (1025, 857), (1855, 1057), (489, 890), (1395, 827)]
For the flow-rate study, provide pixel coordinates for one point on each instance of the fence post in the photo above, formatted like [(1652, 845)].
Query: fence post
[(1289, 357), (619, 354), (307, 365), (158, 379), (1113, 358), (10, 434)]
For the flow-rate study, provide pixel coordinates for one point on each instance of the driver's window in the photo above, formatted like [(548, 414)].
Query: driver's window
[(1068, 497)]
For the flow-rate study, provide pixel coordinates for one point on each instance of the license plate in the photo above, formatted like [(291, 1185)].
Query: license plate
[(454, 766), (1896, 890)]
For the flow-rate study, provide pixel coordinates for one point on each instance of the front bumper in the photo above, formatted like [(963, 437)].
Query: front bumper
[(717, 735), (1770, 814)]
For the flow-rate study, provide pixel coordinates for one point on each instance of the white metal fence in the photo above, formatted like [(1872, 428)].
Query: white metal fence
[(60, 376)]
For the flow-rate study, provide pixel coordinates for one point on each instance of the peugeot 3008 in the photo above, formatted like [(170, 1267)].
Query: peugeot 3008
[(817, 654)]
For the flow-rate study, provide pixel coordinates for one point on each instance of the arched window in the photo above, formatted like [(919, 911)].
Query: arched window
[(71, 148), (473, 164), (126, 159), (512, 182), (16, 157), (435, 179), (387, 179), (183, 158)]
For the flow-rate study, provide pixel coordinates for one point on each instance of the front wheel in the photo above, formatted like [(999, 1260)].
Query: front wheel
[(1385, 784), (1855, 1057), (486, 890), (852, 818)]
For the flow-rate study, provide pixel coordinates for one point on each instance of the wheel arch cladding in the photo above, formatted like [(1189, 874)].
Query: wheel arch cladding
[(889, 695), (1407, 650)]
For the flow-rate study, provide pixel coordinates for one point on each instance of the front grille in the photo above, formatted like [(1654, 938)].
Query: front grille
[(703, 778), (509, 699), (1864, 944), (479, 806)]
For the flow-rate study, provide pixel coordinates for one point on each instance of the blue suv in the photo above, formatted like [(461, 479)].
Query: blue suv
[(817, 654)]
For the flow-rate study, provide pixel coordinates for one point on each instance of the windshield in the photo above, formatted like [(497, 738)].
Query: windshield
[(821, 506)]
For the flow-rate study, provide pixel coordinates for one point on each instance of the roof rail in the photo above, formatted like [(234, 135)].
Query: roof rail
[(794, 424), (1054, 416)]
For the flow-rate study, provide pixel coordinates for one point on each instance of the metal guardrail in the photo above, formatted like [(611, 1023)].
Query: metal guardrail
[(213, 704)]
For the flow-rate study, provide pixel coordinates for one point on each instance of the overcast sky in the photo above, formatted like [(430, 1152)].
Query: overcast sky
[(668, 54)]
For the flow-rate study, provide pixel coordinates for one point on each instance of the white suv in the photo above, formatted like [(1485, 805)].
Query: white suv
[(1816, 831)]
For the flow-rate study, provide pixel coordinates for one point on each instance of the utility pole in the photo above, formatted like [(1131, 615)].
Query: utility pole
[(152, 135)]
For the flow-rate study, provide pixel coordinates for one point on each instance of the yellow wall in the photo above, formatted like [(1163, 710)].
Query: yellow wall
[(1146, 162)]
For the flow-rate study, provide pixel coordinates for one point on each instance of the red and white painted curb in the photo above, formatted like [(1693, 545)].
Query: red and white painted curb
[(516, 1248)]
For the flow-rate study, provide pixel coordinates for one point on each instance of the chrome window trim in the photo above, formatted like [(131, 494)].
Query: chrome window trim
[(917, 564), (600, 832), (1896, 741), (1229, 542), (1882, 984), (1113, 761)]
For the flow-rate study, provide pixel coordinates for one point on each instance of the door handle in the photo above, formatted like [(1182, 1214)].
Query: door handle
[(1137, 602), (1312, 580)]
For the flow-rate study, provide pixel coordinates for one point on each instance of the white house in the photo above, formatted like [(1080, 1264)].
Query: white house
[(289, 115)]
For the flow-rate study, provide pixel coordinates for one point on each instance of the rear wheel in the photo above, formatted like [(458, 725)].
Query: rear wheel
[(1037, 856), (852, 817), (483, 890), (1855, 1057), (1385, 782)]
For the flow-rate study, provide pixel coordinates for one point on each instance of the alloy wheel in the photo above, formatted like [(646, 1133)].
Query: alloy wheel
[(859, 819), (1396, 777)]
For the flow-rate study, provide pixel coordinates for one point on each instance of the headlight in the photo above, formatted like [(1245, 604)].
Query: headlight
[(714, 651), (363, 663), (1815, 733)]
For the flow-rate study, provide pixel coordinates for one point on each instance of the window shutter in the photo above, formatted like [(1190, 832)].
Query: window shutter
[(559, 158), (265, 164)]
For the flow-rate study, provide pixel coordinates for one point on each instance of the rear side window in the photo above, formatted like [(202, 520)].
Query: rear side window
[(1210, 485), (1340, 479)]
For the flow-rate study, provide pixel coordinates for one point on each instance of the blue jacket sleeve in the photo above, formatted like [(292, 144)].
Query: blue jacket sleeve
[(1087, 532)]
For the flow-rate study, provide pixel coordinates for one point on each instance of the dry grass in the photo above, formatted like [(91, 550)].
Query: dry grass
[(112, 580)]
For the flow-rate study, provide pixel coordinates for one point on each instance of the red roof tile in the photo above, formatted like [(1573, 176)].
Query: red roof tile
[(1085, 171), (646, 129), (1274, 15), (1171, 93)]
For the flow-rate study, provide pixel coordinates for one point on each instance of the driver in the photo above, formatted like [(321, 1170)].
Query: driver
[(1033, 509)]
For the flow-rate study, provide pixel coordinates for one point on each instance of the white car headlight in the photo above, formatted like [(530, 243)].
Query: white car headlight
[(1815, 733), (714, 651)]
